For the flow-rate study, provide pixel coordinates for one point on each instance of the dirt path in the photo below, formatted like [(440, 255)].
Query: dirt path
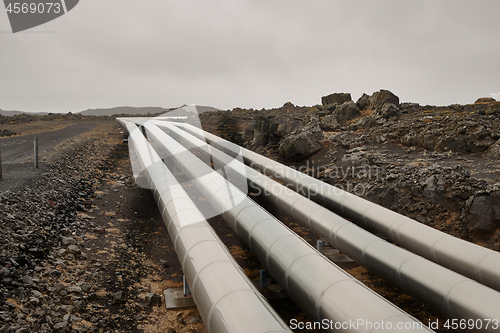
[(19, 149), (17, 152), (34, 127)]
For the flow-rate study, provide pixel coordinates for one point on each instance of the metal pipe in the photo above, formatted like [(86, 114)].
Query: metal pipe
[(451, 293), (217, 282), (323, 290), (474, 261)]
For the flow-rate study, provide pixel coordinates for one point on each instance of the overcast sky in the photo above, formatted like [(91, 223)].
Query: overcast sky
[(252, 54)]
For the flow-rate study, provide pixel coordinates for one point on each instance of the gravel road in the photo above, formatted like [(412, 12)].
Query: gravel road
[(17, 153)]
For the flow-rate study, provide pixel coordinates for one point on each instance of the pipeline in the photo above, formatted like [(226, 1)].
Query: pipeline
[(319, 287), (474, 261), (216, 280), (449, 292)]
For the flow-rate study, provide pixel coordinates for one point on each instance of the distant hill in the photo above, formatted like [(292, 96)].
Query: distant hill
[(186, 110), (127, 110), (123, 110), (10, 113), (15, 113)]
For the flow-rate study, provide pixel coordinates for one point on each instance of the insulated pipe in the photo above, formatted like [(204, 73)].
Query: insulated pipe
[(323, 290), (474, 261), (451, 293), (217, 282)]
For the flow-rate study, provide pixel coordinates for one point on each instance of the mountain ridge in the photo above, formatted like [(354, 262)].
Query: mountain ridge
[(119, 110)]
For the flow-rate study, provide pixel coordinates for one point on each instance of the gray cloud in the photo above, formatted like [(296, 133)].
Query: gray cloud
[(254, 53)]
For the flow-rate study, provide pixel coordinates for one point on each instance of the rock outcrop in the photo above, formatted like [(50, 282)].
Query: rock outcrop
[(261, 132), (485, 100), (483, 214), (346, 112), (271, 129), (363, 123), (363, 102), (409, 107), (329, 123), (336, 98), (379, 98), (494, 150), (301, 143), (387, 111)]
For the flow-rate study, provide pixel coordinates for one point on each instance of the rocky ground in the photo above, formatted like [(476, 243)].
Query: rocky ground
[(438, 165), (85, 250)]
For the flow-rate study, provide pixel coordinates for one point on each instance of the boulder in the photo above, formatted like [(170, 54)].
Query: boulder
[(363, 102), (363, 123), (343, 139), (271, 129), (301, 143), (379, 98), (494, 150), (480, 216), (330, 108), (282, 126), (249, 131), (322, 113), (482, 144), (261, 132), (336, 98), (346, 112), (329, 123), (387, 111), (470, 108), (485, 100), (409, 107)]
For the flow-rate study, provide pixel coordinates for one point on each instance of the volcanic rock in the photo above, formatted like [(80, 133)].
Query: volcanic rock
[(346, 112), (387, 111), (336, 98), (363, 102), (363, 123), (494, 150), (379, 98), (301, 143), (329, 123), (480, 217), (485, 100)]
